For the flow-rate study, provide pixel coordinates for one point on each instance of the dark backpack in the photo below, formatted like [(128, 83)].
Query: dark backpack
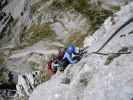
[(63, 64)]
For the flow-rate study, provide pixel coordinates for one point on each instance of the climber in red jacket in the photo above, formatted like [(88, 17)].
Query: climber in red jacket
[(53, 63), (50, 67)]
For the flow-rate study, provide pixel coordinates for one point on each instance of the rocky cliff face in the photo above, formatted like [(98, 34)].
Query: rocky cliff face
[(18, 19), (32, 30), (106, 75), (29, 29), (15, 17)]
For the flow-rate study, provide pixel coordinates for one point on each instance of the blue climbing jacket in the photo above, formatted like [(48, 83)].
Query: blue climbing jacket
[(68, 57), (68, 54)]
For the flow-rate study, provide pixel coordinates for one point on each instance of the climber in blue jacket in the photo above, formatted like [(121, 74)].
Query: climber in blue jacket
[(71, 56), (71, 50)]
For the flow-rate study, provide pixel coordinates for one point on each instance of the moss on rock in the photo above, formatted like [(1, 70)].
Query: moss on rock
[(2, 59), (77, 39), (95, 13), (3, 75), (115, 8), (39, 32)]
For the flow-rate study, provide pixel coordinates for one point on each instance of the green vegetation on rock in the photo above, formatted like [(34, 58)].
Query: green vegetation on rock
[(34, 65), (2, 59), (39, 32), (130, 32), (95, 13), (77, 39), (115, 8), (126, 2), (3, 70), (36, 6), (3, 75), (45, 76), (111, 57)]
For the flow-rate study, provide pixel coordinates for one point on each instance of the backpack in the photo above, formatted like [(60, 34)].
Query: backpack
[(63, 64)]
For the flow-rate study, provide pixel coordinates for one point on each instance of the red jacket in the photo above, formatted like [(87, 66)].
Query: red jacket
[(50, 65), (50, 70)]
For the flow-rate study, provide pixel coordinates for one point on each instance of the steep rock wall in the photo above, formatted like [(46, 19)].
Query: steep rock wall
[(98, 77), (14, 17)]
